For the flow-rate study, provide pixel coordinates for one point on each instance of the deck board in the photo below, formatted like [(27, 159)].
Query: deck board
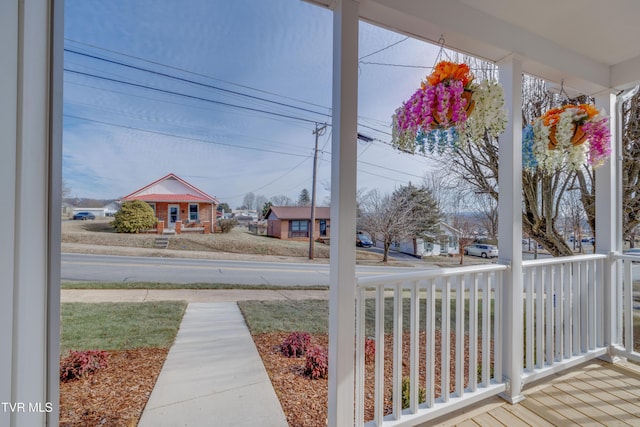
[(593, 400), (593, 394), (531, 418), (508, 418)]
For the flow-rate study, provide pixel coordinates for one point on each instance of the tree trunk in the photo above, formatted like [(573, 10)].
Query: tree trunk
[(385, 254)]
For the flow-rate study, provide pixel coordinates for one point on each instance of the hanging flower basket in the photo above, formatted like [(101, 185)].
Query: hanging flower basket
[(572, 136), (578, 136), (438, 116)]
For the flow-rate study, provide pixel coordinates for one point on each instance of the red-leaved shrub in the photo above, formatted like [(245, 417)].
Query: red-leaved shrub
[(317, 364), (296, 344), (79, 363)]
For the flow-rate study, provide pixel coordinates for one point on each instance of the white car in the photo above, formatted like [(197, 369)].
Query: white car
[(482, 250)]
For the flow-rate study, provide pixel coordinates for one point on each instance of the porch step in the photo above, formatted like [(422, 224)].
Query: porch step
[(162, 242)]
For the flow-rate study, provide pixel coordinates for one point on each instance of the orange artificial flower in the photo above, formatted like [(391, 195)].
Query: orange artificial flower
[(589, 110), (552, 117), (446, 70)]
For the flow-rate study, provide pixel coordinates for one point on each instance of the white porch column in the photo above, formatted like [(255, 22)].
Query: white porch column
[(510, 229), (608, 230), (31, 36), (343, 214)]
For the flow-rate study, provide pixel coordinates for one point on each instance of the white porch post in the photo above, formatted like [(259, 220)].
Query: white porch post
[(343, 214), (510, 229), (31, 35), (608, 231)]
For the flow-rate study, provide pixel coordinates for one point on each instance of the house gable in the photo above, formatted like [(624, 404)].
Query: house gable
[(170, 188)]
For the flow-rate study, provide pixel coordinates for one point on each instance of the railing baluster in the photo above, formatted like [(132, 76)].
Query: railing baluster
[(414, 346), (379, 362), (576, 308), (445, 341), (568, 317), (628, 305), (496, 286), (558, 297), (473, 333), (360, 339), (550, 295), (430, 345), (584, 310), (397, 351), (486, 330), (592, 305), (460, 333), (600, 266), (540, 318), (529, 316)]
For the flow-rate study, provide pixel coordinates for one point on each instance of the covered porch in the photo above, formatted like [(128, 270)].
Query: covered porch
[(548, 316), (496, 329)]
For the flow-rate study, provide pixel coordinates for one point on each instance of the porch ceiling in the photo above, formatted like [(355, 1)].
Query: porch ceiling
[(590, 44)]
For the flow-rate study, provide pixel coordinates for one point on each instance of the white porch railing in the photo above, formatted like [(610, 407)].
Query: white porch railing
[(410, 316), (449, 321), (629, 346), (564, 316)]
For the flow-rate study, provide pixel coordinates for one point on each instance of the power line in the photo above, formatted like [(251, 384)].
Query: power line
[(185, 137), (184, 70), (209, 77), (110, 61), (190, 96)]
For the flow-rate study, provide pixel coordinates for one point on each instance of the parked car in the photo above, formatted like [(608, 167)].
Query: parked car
[(482, 250), (632, 251), (83, 216), (363, 240)]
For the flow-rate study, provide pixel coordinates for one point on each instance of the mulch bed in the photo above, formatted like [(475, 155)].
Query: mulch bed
[(115, 395), (304, 401)]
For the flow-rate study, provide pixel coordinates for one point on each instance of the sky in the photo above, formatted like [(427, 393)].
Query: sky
[(226, 95)]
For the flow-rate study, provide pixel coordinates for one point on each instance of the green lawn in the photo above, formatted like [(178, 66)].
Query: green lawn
[(162, 285), (119, 326), (313, 315)]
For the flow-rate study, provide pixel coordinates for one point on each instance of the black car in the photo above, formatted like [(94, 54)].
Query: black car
[(363, 240), (83, 216)]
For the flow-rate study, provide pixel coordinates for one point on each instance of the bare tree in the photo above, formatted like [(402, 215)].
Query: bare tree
[(486, 214), (464, 231), (249, 201), (572, 209), (392, 218), (281, 200), (260, 202), (631, 169)]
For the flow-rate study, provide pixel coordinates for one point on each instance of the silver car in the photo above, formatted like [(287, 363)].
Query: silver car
[(482, 250)]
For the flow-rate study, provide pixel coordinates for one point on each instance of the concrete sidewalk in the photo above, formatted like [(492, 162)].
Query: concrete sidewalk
[(189, 295), (213, 375)]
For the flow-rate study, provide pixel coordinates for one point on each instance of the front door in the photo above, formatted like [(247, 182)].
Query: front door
[(174, 215)]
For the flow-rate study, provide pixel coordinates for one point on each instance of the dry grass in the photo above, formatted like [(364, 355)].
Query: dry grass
[(99, 234)]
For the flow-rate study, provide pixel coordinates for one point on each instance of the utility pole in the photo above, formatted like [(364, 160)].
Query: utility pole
[(319, 131)]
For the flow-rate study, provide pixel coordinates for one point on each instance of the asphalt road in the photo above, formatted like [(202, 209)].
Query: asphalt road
[(83, 267)]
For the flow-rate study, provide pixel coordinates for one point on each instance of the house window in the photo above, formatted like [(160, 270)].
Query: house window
[(153, 206), (323, 227), (299, 228), (193, 212)]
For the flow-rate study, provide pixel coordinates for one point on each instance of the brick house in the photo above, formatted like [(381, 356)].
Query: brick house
[(178, 205), (292, 222)]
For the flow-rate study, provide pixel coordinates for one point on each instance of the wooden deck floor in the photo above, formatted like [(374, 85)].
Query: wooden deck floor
[(594, 394)]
